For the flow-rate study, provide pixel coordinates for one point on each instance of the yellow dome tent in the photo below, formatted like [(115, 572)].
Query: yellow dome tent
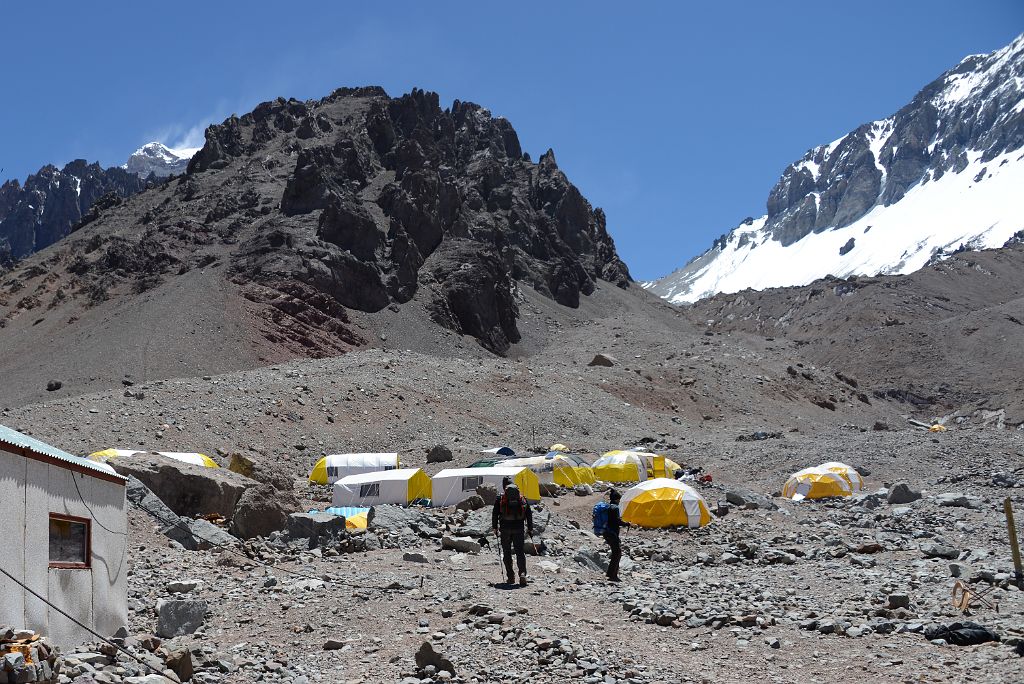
[(848, 473), (815, 483), (555, 468), (663, 502), (558, 447), (621, 466), (185, 457)]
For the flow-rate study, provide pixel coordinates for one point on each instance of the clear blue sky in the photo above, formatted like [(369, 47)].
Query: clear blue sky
[(675, 117)]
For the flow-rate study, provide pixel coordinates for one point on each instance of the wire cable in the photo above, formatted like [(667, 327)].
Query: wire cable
[(95, 518)]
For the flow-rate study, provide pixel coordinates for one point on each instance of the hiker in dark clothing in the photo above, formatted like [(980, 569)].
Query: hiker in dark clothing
[(611, 534), (510, 515)]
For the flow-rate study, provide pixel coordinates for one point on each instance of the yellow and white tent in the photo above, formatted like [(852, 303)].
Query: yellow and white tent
[(332, 468), (815, 483), (185, 457), (401, 487), (621, 466), (453, 485), (556, 468), (664, 502), (848, 473)]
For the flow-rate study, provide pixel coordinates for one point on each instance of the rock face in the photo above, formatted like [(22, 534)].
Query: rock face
[(960, 134), (53, 201), (390, 196)]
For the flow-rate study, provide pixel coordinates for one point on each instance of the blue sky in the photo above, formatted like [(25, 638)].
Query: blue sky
[(677, 118)]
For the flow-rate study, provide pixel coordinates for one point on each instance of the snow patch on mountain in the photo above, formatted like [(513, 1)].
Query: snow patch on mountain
[(941, 174), (159, 159), (933, 219)]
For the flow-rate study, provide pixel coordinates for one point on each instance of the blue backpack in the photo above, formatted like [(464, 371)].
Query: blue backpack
[(600, 517)]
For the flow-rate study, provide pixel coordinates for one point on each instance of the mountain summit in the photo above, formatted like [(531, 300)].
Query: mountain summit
[(160, 160), (943, 173)]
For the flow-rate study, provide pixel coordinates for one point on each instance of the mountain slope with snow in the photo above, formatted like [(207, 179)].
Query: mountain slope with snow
[(160, 160), (944, 173)]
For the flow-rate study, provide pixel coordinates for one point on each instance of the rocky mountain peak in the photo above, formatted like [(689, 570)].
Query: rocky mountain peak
[(158, 159), (361, 202), (889, 196)]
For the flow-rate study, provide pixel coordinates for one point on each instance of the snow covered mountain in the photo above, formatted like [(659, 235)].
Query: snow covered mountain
[(944, 173), (160, 160)]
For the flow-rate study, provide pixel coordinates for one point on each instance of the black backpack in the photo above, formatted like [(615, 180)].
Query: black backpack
[(512, 504)]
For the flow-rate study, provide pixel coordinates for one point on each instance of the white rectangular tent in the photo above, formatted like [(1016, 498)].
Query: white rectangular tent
[(330, 469), (400, 487), (454, 485)]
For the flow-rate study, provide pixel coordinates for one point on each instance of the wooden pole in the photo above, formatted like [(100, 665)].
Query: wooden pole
[(1014, 547)]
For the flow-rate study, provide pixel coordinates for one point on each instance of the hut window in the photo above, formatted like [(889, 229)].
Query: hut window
[(469, 484), (372, 489), (69, 541)]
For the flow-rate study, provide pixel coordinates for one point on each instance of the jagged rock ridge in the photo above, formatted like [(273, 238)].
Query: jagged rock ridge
[(387, 196), (889, 196), (359, 202), (52, 201)]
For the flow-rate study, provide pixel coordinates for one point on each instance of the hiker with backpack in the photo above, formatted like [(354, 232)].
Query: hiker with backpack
[(607, 523), (510, 516)]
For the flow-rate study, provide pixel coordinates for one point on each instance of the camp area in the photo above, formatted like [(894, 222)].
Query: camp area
[(332, 468), (400, 486)]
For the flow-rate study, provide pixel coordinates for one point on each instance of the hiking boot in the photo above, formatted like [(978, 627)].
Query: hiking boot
[(614, 579), (522, 579), (511, 580)]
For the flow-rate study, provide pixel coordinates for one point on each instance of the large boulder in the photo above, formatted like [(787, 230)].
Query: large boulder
[(178, 617), (187, 489), (314, 525), (439, 454), (261, 510), (170, 523)]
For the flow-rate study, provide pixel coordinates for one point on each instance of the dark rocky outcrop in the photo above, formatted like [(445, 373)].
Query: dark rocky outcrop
[(386, 197), (53, 201)]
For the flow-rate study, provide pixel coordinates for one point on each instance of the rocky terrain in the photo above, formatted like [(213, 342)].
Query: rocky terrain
[(937, 176), (53, 201)]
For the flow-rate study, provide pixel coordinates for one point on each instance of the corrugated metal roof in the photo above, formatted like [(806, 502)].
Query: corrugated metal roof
[(15, 438)]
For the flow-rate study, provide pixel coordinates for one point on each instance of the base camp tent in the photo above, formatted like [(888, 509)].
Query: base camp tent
[(401, 486), (500, 451), (664, 502), (330, 469), (621, 466), (815, 483), (185, 457), (848, 473), (452, 485), (556, 468)]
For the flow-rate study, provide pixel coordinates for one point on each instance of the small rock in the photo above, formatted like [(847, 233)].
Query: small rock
[(901, 493), (605, 360), (439, 454)]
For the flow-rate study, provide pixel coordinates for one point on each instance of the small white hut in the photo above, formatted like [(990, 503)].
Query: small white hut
[(66, 537)]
